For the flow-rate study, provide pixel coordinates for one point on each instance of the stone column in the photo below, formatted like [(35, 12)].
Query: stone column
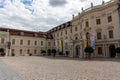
[(104, 50)]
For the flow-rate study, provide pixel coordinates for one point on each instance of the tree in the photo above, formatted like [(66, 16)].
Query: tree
[(43, 52), (54, 52), (49, 51), (89, 50), (118, 52)]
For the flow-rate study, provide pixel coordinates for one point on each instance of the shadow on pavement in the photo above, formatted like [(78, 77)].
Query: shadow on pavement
[(81, 59)]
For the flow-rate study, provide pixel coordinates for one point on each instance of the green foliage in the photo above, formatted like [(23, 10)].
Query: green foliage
[(43, 51), (13, 54), (30, 54), (118, 50), (54, 51), (67, 53), (89, 50), (49, 51), (60, 53), (2, 54)]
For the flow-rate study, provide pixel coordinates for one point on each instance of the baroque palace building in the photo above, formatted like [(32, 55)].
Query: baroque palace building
[(21, 42), (103, 21)]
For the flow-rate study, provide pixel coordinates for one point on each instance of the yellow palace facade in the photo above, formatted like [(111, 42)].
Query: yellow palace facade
[(102, 20)]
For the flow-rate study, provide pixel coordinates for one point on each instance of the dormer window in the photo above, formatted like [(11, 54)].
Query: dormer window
[(22, 33), (36, 34)]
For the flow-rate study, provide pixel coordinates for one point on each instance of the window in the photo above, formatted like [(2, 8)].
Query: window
[(111, 34), (28, 51), (2, 40), (81, 26), (75, 28), (76, 38), (57, 34), (110, 18), (35, 43), (48, 43), (54, 43), (61, 33), (28, 42), (35, 51), (21, 51), (66, 32), (87, 24), (98, 21), (21, 42), (70, 30), (13, 51), (99, 35), (13, 41), (99, 50), (41, 43)]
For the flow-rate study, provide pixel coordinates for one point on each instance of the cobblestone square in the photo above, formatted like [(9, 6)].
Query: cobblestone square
[(58, 68)]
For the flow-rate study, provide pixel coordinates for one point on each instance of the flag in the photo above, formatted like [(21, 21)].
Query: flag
[(56, 45), (92, 40), (84, 41), (60, 45)]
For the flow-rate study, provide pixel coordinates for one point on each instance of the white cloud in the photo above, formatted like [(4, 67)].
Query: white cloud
[(39, 15)]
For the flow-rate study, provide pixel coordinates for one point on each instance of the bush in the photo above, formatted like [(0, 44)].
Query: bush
[(2, 54), (43, 51), (30, 54), (67, 53), (89, 50), (54, 52), (60, 53), (13, 54), (118, 50), (49, 51)]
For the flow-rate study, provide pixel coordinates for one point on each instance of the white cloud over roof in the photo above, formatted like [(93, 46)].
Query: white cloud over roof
[(39, 15)]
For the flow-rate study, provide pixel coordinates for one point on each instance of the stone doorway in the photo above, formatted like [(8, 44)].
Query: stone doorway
[(112, 51), (1, 51), (77, 51)]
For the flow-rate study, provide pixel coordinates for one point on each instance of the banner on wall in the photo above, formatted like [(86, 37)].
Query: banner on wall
[(84, 41), (60, 45), (56, 45), (92, 40), (89, 40)]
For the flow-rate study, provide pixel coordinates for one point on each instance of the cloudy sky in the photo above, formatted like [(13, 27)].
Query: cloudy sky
[(40, 15)]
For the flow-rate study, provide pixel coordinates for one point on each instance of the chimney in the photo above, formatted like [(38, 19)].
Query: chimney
[(91, 4), (79, 14), (73, 16), (103, 2), (82, 9)]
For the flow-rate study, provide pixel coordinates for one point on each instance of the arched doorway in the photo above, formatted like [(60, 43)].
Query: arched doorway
[(77, 51), (112, 51), (1, 51)]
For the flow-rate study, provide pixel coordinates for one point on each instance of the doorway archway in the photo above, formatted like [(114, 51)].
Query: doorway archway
[(1, 51), (77, 51), (112, 51)]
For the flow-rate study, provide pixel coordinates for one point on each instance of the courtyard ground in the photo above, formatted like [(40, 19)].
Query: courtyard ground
[(58, 68)]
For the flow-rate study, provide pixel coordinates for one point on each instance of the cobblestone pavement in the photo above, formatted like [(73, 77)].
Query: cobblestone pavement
[(48, 68), (6, 73)]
